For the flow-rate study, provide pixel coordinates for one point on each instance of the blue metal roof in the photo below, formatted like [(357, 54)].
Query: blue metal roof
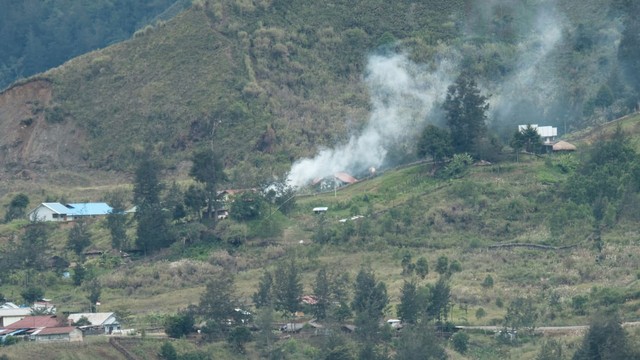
[(88, 209)]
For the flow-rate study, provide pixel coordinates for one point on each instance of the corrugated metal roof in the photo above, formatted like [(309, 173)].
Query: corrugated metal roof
[(86, 209), (94, 318), (56, 330), (34, 322), (57, 208)]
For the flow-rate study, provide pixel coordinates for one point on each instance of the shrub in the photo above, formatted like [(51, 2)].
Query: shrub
[(168, 352), (460, 341), (179, 325), (480, 313), (488, 282)]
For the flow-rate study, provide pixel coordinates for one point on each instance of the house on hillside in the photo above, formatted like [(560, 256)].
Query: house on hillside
[(44, 328), (55, 334), (68, 212), (548, 134), (10, 316), (105, 321)]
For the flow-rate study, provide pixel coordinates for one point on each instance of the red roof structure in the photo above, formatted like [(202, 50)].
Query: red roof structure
[(345, 178), (56, 330), (32, 322)]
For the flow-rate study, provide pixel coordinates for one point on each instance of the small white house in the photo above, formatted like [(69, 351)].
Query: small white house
[(547, 133), (107, 320), (12, 315), (68, 212)]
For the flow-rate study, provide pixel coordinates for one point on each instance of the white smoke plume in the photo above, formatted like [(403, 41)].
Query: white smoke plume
[(403, 95), (534, 77)]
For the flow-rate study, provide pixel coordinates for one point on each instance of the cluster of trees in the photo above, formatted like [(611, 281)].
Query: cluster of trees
[(38, 35), (466, 114)]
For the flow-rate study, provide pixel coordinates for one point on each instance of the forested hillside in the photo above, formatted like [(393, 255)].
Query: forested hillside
[(473, 237), (38, 35), (270, 82)]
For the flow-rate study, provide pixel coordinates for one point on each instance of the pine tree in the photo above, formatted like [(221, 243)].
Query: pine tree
[(287, 287), (465, 111), (408, 309), (209, 170), (153, 230)]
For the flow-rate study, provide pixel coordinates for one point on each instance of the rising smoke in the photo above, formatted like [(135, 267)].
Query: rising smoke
[(403, 94)]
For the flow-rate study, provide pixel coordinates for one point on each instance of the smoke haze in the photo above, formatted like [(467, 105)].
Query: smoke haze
[(403, 95)]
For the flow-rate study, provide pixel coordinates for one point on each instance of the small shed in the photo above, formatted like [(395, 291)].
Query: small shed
[(106, 320), (320, 209), (563, 146), (55, 334)]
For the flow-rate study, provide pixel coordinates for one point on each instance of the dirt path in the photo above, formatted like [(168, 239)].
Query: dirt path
[(548, 330)]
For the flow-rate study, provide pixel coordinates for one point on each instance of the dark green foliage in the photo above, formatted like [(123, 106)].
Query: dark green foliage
[(460, 341), (487, 282), (419, 342), (180, 324), (153, 230), (422, 267), (117, 220), (458, 167), (369, 302), (168, 352), (263, 297), (608, 180), (247, 206), (217, 304), (79, 273), (439, 299), (38, 35), (409, 307), (238, 337), (442, 265), (322, 293), (551, 350), (32, 294), (16, 208), (436, 143), (83, 321), (208, 169), (465, 109), (195, 200), (521, 315), (287, 287), (94, 290), (31, 252), (527, 139), (79, 237), (606, 340)]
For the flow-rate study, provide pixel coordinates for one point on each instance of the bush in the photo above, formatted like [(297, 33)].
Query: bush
[(488, 282), (168, 352), (179, 325), (460, 341)]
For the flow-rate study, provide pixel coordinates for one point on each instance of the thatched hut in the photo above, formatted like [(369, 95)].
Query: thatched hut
[(563, 146)]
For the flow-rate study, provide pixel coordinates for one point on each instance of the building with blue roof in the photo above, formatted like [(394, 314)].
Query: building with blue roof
[(68, 212)]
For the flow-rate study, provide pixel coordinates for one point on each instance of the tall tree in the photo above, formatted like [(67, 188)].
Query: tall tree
[(117, 220), (287, 286), (153, 230), (208, 169), (408, 309), (263, 297), (419, 342), (217, 305), (369, 303), (322, 293), (439, 299), (465, 109), (79, 237), (436, 143), (606, 339), (31, 252)]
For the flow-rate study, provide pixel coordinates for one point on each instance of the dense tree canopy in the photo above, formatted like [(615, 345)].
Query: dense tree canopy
[(466, 114)]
